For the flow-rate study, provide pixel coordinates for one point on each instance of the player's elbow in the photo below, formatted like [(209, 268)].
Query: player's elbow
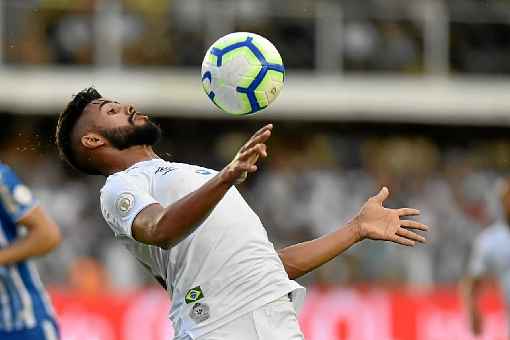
[(49, 237), (43, 232), (150, 228), (53, 237), (152, 234), (294, 272), (292, 269), (167, 232)]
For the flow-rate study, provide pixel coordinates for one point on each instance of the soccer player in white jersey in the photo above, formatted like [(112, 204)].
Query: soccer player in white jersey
[(490, 257), (192, 229)]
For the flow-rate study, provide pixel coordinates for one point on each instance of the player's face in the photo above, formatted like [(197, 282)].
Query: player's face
[(122, 125)]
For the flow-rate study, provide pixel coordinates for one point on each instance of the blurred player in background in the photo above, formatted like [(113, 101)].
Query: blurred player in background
[(26, 231), (192, 229), (490, 257)]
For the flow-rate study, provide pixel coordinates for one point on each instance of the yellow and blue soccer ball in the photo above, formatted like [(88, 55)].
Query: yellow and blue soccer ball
[(242, 73)]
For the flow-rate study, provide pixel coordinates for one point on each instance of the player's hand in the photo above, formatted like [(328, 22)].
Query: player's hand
[(245, 160), (379, 223)]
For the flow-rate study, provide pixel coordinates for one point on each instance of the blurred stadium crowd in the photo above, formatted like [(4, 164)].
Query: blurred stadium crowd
[(375, 35), (316, 178)]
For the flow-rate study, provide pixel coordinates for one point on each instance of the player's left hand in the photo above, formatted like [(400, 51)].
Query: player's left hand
[(379, 223)]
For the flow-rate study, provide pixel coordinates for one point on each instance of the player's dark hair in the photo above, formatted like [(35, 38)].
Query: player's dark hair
[(66, 122)]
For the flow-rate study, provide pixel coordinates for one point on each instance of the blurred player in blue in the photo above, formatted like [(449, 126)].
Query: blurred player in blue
[(26, 231)]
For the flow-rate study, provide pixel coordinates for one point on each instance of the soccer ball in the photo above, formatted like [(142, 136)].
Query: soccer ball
[(242, 73)]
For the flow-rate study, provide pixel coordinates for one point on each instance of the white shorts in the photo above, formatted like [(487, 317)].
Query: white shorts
[(275, 321)]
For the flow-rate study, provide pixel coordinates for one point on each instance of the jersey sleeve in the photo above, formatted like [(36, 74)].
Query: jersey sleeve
[(478, 262), (16, 197), (122, 199)]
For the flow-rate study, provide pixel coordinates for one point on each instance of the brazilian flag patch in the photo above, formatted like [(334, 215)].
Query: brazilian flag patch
[(193, 295)]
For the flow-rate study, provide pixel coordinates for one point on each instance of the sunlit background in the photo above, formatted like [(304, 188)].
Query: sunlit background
[(409, 94)]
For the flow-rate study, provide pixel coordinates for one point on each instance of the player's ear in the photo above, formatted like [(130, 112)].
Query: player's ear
[(92, 140)]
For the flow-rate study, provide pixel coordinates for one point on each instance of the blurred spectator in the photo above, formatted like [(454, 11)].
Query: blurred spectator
[(87, 277), (313, 182), (308, 187), (388, 36)]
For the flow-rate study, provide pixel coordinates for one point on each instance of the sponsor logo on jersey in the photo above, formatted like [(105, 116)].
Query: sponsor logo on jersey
[(199, 312), (164, 170), (194, 294), (125, 203)]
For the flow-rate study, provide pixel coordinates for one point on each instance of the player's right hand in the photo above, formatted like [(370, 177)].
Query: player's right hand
[(245, 160)]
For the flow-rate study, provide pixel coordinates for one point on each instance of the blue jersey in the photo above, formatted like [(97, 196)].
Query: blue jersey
[(24, 304)]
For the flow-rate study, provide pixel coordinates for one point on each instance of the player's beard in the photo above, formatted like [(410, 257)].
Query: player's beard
[(127, 136)]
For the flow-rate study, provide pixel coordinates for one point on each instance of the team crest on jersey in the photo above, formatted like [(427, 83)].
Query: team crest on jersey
[(125, 203), (194, 294), (199, 312)]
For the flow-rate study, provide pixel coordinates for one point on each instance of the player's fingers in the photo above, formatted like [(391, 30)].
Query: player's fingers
[(410, 235), (404, 241), (243, 156), (414, 225), (263, 129), (262, 138), (407, 212), (382, 195), (246, 167), (258, 150)]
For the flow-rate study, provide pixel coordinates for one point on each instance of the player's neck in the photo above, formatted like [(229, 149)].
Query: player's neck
[(130, 156)]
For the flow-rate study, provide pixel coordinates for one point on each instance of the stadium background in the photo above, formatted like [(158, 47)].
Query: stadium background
[(409, 94)]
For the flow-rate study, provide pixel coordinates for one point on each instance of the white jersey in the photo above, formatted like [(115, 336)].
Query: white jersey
[(491, 255), (227, 267)]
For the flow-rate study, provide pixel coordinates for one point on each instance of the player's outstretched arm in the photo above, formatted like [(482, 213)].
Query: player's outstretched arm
[(43, 236), (372, 222), (166, 226)]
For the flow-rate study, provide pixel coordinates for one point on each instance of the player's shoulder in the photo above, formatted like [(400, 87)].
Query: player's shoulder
[(156, 167), (143, 173), (182, 170), (114, 180), (137, 175), (134, 171), (123, 181)]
